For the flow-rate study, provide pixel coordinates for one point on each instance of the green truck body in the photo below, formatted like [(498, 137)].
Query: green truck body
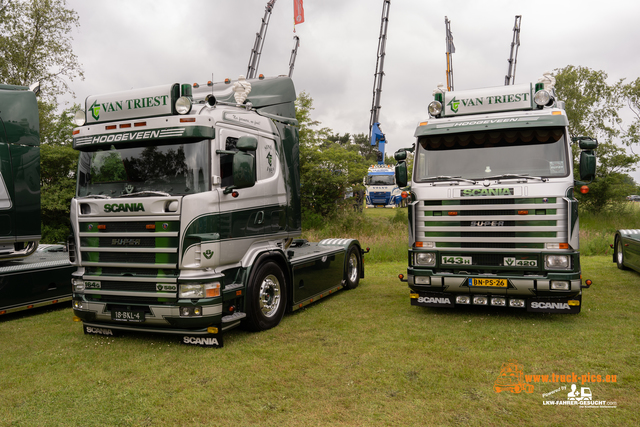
[(19, 172)]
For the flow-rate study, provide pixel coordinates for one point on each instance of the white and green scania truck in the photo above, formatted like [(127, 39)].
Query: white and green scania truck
[(187, 213), (493, 220)]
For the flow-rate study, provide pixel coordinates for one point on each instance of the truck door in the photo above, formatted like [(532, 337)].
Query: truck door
[(248, 216), (6, 190)]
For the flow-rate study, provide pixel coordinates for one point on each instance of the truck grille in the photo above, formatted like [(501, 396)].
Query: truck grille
[(527, 225), (379, 197), (144, 248)]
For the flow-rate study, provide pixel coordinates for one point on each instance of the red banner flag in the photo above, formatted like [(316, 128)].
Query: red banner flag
[(298, 12)]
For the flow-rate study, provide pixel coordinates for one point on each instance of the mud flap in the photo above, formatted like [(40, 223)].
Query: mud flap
[(211, 340)]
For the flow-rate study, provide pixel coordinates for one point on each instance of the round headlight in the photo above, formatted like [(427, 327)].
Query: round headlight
[(79, 118), (542, 97), (183, 105), (435, 108)]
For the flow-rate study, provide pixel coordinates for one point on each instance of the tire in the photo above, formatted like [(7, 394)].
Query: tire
[(267, 298), (619, 254), (353, 268)]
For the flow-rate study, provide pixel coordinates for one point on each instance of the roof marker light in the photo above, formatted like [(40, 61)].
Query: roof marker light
[(125, 125)]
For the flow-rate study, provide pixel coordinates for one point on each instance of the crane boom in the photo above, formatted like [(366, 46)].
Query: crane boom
[(294, 54), (375, 134), (510, 78), (254, 59), (450, 49)]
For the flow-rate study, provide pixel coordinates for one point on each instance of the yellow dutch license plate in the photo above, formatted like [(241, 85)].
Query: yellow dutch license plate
[(494, 283)]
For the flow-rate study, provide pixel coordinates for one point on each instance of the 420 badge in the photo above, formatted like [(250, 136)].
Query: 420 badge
[(511, 261)]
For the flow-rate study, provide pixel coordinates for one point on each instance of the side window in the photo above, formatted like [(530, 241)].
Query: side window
[(226, 161)]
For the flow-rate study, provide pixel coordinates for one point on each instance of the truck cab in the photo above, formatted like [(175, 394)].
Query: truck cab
[(493, 220), (381, 188), (19, 172), (187, 214)]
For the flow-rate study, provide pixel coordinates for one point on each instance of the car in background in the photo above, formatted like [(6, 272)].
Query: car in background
[(626, 249), (634, 198)]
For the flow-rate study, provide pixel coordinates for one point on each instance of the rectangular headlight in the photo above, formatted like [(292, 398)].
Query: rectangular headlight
[(200, 290), (191, 291), (557, 262), (425, 258), (78, 284), (421, 280)]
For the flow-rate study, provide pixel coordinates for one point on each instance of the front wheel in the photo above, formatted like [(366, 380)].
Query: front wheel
[(267, 298), (619, 254), (353, 268)]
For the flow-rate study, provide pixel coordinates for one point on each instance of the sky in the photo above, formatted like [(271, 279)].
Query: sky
[(128, 44)]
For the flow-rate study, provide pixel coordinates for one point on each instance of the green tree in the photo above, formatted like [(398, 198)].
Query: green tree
[(36, 46), (593, 108), (329, 163), (58, 165)]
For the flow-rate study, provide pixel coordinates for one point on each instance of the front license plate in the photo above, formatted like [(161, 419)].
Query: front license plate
[(494, 283), (127, 315)]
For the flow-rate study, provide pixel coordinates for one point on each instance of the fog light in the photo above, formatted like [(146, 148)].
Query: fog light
[(516, 303), (560, 285), (197, 311), (78, 305), (184, 311), (183, 105), (463, 299), (498, 301), (79, 118), (435, 108), (480, 300), (422, 280), (542, 97)]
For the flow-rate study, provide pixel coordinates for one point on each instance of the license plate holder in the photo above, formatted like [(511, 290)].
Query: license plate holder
[(490, 283), (126, 315)]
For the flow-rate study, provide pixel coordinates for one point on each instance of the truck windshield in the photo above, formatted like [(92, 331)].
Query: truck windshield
[(379, 180), (174, 169), (539, 152)]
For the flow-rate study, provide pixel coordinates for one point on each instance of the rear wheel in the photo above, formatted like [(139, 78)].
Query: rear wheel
[(267, 295), (353, 268), (619, 254)]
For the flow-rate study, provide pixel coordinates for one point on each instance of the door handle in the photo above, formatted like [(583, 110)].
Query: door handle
[(259, 218)]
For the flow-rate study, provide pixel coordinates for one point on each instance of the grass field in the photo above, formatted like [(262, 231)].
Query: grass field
[(359, 358)]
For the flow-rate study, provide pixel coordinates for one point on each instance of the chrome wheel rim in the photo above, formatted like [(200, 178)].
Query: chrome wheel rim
[(352, 269), (269, 295), (619, 254)]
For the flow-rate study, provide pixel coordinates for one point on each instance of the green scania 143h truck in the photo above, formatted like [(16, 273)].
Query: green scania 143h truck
[(493, 220), (187, 214)]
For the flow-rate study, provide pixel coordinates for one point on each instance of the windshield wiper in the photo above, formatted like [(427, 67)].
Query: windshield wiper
[(450, 178), (515, 175), (147, 193)]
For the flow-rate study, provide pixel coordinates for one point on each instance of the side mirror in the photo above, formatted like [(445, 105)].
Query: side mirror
[(400, 155), (587, 165), (401, 174), (247, 143), (587, 157)]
